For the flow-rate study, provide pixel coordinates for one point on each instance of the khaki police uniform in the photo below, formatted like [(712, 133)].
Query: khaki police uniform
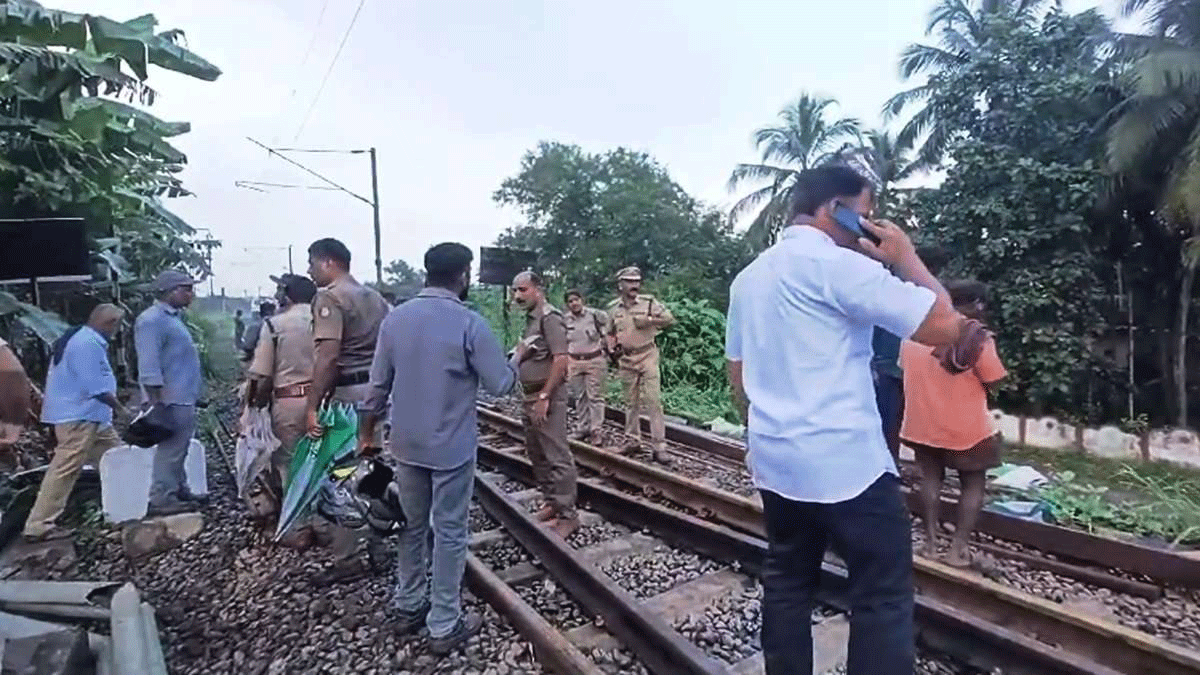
[(350, 313), (638, 364), (588, 367), (284, 359), (546, 445)]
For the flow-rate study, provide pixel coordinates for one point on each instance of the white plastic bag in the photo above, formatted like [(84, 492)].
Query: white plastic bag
[(1017, 477), (256, 441)]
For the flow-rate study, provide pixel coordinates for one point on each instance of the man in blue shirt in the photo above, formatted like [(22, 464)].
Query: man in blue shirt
[(169, 373), (79, 401), (798, 342), (432, 355)]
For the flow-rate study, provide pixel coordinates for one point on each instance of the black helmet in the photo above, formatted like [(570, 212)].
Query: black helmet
[(368, 497)]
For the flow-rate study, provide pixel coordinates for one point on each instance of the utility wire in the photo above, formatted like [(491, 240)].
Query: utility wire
[(323, 150), (312, 42), (329, 70), (252, 184), (310, 172)]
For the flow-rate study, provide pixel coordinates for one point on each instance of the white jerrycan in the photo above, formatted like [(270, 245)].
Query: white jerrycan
[(125, 476)]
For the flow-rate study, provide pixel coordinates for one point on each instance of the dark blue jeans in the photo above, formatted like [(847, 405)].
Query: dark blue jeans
[(871, 533), (889, 399)]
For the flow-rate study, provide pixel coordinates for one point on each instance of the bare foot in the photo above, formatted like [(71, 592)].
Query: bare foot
[(959, 559)]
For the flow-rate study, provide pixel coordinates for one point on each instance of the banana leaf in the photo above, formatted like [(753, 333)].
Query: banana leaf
[(312, 461)]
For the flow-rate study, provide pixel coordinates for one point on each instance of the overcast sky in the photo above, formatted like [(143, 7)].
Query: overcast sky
[(452, 93)]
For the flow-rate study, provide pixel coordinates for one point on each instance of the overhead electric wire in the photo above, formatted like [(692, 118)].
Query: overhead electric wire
[(281, 114), (312, 42), (328, 71)]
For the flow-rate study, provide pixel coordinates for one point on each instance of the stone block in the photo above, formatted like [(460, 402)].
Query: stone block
[(1111, 442), (1180, 446), (155, 535), (63, 652)]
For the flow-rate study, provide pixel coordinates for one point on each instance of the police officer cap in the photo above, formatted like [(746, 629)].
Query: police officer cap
[(631, 273)]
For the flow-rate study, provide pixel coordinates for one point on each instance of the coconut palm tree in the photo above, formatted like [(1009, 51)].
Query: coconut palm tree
[(886, 162), (1154, 141), (961, 30), (806, 136)]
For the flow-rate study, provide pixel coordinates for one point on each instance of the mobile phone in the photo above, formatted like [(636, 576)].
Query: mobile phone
[(852, 222)]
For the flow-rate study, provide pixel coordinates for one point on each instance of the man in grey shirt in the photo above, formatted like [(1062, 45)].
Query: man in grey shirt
[(432, 355), (169, 373)]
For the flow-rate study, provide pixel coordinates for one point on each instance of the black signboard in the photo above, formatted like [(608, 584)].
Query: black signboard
[(498, 266), (44, 249)]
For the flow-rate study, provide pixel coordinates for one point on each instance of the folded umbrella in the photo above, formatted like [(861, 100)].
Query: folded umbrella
[(312, 461)]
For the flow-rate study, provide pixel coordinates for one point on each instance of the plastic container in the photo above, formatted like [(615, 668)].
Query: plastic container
[(125, 473)]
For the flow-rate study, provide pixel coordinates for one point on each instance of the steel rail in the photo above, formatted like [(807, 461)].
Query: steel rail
[(1157, 564), (661, 648), (551, 647), (952, 630), (1128, 650)]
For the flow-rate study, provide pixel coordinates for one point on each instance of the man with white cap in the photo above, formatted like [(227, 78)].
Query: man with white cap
[(169, 374), (635, 320)]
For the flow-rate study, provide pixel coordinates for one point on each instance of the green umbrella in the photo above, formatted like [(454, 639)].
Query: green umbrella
[(312, 460)]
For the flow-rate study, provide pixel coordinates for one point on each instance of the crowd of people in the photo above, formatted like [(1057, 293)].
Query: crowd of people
[(841, 344)]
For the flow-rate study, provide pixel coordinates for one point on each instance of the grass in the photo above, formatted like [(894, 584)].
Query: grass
[(698, 406), (1153, 499), (1106, 471)]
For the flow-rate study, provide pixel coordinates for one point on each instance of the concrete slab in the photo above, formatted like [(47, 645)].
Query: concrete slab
[(634, 543), (694, 596), (687, 598), (525, 497), (829, 649), (521, 573), (486, 539)]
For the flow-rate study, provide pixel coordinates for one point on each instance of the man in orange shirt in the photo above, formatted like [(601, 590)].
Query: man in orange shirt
[(946, 421)]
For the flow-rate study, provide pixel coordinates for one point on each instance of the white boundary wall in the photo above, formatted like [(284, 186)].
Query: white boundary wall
[(1181, 446)]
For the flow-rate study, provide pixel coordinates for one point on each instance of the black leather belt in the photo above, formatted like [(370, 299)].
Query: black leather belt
[(587, 356), (351, 379)]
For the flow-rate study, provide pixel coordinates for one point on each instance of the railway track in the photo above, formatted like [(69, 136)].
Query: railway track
[(1150, 565), (983, 623)]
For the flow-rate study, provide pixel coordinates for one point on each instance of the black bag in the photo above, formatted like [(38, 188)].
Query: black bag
[(384, 514), (149, 428)]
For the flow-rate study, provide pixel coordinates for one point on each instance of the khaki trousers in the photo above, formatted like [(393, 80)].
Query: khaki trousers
[(643, 395), (553, 463), (288, 424), (78, 444), (585, 382)]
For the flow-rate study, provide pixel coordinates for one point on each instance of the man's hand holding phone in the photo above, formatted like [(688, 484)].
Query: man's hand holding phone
[(894, 248)]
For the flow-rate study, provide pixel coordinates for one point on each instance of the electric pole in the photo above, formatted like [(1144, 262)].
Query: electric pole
[(375, 206), (330, 185)]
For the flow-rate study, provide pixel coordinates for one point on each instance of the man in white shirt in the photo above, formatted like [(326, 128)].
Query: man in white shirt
[(798, 343)]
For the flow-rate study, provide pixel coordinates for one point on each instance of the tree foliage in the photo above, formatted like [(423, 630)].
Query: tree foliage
[(806, 136), (401, 280), (589, 215), (1017, 206), (963, 31), (73, 142)]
